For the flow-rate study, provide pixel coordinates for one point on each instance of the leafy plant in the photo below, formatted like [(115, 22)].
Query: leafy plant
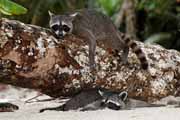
[(38, 9), (163, 39), (155, 7), (109, 7), (8, 7)]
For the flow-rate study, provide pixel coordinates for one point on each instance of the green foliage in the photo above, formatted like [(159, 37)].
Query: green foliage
[(155, 6), (8, 7), (160, 21), (38, 9), (160, 38), (158, 14), (109, 7)]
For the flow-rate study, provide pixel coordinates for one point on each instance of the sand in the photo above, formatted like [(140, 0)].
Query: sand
[(30, 111)]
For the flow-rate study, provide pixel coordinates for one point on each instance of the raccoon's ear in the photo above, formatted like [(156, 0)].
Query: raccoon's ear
[(50, 13), (101, 92), (72, 16), (123, 95)]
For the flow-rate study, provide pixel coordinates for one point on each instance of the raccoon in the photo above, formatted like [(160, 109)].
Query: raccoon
[(101, 99), (95, 28), (92, 99)]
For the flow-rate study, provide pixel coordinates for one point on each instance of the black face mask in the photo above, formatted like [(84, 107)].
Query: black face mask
[(55, 28), (60, 28), (113, 106), (65, 28)]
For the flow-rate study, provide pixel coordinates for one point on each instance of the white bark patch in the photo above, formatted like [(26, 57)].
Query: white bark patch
[(51, 42), (68, 70), (158, 86), (82, 59), (43, 33), (101, 74), (31, 52), (9, 33), (141, 75), (41, 46)]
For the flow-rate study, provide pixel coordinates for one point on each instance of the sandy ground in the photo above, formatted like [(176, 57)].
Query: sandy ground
[(30, 111)]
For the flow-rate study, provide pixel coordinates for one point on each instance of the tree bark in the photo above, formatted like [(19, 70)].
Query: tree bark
[(127, 14), (31, 57)]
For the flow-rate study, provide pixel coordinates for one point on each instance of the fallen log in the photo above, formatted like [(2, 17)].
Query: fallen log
[(31, 57)]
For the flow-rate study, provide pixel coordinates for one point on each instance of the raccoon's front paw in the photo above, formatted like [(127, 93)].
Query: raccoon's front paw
[(59, 108)]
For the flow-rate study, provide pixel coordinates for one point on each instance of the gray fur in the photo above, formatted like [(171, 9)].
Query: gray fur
[(95, 99), (96, 28), (79, 101)]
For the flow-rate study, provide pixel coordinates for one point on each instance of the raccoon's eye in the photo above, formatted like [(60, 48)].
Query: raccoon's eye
[(66, 28), (55, 27)]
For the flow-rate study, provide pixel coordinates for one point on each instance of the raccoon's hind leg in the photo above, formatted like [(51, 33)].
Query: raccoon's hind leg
[(59, 108), (124, 56), (92, 49)]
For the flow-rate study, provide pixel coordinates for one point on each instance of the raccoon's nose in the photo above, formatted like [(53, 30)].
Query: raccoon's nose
[(113, 106), (60, 35)]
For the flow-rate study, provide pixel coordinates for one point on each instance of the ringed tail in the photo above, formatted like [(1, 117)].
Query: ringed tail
[(137, 50)]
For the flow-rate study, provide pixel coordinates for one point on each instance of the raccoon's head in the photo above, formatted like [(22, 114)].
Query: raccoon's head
[(61, 25), (115, 101)]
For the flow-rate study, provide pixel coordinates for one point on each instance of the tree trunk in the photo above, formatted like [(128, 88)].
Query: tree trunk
[(31, 57)]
